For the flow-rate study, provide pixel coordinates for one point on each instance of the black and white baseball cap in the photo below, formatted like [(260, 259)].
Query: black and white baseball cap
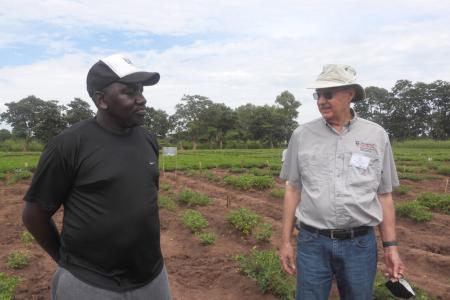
[(117, 68)]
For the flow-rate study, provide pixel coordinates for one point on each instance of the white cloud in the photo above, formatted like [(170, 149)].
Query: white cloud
[(258, 49)]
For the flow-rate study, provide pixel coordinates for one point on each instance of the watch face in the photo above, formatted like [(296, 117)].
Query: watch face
[(400, 288)]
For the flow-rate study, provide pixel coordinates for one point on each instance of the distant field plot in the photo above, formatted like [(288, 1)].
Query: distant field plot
[(18, 161), (223, 159), (415, 160), (422, 160)]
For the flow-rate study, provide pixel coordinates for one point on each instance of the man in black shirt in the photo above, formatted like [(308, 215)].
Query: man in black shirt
[(104, 172)]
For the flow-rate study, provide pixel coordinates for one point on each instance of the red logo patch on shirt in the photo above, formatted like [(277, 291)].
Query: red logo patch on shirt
[(366, 147)]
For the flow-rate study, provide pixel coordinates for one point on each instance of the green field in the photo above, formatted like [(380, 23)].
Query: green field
[(417, 160)]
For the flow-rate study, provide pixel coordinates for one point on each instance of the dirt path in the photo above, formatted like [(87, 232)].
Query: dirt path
[(210, 272)]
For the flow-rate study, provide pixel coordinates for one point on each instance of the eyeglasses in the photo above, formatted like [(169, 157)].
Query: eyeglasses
[(328, 94)]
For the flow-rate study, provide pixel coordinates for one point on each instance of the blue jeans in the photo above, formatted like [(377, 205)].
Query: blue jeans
[(352, 262)]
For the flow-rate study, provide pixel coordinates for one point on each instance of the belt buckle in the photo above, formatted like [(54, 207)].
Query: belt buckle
[(341, 231)]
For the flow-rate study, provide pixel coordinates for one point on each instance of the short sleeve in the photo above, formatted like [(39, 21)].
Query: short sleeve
[(389, 178), (290, 169), (52, 179)]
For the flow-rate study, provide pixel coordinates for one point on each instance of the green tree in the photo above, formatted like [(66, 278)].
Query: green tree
[(34, 117), (440, 106), (268, 124), (219, 119), (156, 121), (244, 116), (50, 121), (4, 134), (189, 117), (79, 110), (289, 110)]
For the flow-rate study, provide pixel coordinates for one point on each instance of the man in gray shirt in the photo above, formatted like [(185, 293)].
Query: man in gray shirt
[(339, 172)]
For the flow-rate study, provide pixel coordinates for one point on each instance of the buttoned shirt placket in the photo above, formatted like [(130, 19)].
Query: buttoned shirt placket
[(337, 180)]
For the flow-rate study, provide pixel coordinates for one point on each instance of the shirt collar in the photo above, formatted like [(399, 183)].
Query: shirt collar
[(346, 126)]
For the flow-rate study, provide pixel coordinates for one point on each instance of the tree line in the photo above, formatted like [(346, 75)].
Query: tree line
[(197, 121), (408, 111)]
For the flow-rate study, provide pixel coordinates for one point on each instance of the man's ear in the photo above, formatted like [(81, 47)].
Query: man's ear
[(352, 93), (100, 101)]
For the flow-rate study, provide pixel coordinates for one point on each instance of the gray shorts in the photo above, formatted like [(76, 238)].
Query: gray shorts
[(65, 286)]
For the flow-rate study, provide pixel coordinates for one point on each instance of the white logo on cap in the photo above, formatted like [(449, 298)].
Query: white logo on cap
[(120, 65), (127, 61)]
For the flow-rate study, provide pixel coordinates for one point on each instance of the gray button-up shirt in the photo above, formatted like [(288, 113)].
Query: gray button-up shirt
[(340, 174)]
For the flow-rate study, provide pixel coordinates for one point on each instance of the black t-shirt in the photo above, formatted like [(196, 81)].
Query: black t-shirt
[(107, 184)]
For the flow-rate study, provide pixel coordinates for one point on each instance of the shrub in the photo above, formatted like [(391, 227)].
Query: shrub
[(26, 238), (8, 285), (263, 232), (246, 182), (416, 177), (17, 259), (192, 198), (265, 268), (238, 170), (166, 202), (435, 202), (206, 238), (165, 187), (443, 170), (243, 220), (277, 193), (402, 190), (19, 174), (260, 172), (194, 220), (414, 211)]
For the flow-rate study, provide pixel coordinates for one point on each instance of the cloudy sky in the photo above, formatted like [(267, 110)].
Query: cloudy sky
[(234, 52)]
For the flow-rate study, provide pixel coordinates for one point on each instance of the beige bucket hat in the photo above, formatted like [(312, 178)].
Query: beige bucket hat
[(336, 75)]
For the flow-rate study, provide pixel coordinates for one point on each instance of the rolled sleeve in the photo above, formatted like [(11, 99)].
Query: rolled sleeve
[(290, 170), (389, 178)]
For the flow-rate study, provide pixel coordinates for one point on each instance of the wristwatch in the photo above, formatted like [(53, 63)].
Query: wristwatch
[(390, 244)]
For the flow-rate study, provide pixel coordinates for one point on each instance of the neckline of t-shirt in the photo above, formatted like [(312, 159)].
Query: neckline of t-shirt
[(129, 133)]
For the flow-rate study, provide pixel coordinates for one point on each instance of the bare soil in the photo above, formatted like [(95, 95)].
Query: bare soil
[(210, 272)]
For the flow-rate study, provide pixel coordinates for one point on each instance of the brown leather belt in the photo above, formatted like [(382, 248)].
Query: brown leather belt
[(338, 234)]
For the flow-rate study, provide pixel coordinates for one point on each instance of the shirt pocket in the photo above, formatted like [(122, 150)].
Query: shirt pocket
[(314, 167), (363, 178)]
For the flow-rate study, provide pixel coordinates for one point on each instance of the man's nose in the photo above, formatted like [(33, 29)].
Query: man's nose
[(322, 99), (140, 99)]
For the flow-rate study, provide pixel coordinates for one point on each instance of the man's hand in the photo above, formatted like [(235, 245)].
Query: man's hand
[(287, 258), (394, 265)]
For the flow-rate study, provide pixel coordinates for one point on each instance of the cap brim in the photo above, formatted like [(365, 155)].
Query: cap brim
[(146, 78), (319, 84)]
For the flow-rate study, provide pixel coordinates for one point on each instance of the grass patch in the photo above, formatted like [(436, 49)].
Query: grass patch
[(263, 232), (8, 285), (414, 211), (443, 170), (194, 220), (248, 181), (192, 198), (416, 177), (436, 202), (402, 189), (243, 220), (26, 237), (277, 193), (165, 187), (265, 268), (238, 170), (206, 238), (166, 202), (17, 259)]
